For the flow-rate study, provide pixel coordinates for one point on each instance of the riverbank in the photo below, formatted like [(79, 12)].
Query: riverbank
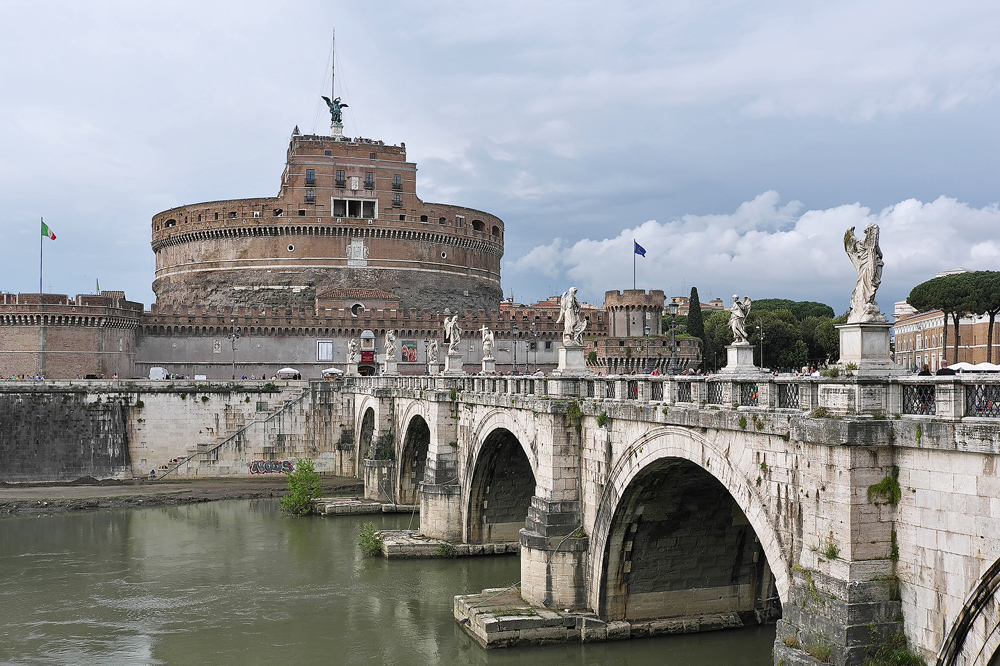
[(89, 493)]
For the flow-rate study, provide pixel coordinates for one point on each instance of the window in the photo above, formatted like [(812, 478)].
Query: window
[(397, 181), (423, 218), (441, 220), (199, 217), (256, 213), (327, 153), (310, 196), (477, 225), (548, 345), (232, 215), (170, 223), (302, 213), (341, 181), (365, 208), (397, 200), (459, 221), (310, 176), (371, 156), (216, 216), (402, 217), (369, 180), (324, 350)]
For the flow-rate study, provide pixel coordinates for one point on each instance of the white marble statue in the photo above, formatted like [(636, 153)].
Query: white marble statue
[(352, 351), (452, 334), (866, 256), (737, 319), (488, 342), (569, 315), (390, 345), (432, 352)]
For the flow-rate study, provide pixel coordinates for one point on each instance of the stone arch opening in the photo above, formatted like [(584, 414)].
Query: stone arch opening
[(413, 460), (501, 490), (679, 545), (365, 435), (974, 638)]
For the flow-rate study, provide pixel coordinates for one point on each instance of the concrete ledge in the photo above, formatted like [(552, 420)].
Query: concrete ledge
[(356, 506), (499, 618), (407, 544)]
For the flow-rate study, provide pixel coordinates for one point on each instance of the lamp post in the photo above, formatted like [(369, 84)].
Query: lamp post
[(645, 368), (427, 358), (760, 336), (672, 308), (234, 336), (513, 342)]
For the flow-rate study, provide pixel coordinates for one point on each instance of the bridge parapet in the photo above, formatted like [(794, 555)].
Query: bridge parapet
[(948, 397)]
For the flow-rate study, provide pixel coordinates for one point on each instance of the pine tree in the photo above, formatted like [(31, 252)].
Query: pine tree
[(695, 323)]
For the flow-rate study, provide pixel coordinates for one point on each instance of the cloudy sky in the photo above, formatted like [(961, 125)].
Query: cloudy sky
[(735, 141)]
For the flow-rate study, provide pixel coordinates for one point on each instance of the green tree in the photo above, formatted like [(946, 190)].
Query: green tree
[(717, 335), (695, 322), (954, 295), (800, 309), (986, 286), (303, 488)]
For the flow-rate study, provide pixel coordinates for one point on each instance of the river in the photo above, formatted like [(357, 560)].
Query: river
[(240, 583)]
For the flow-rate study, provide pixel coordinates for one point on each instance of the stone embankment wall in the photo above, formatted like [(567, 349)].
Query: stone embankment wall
[(55, 431)]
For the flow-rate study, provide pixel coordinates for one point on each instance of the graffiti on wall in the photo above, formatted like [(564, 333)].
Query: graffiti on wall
[(271, 467)]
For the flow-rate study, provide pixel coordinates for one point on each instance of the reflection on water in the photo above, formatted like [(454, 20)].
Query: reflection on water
[(241, 583)]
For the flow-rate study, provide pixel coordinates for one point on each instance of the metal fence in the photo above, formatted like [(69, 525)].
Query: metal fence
[(683, 391), (749, 394), (715, 393), (788, 396), (918, 399), (982, 400)]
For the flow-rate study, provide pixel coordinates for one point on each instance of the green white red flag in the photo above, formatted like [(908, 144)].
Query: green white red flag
[(47, 232)]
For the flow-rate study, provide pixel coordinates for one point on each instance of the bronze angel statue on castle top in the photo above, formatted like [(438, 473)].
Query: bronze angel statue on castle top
[(335, 106)]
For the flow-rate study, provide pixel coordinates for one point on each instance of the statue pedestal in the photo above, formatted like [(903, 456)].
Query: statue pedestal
[(352, 369), (433, 368), (739, 361), (337, 130), (572, 362), (489, 366), (866, 346), (389, 367), (453, 365)]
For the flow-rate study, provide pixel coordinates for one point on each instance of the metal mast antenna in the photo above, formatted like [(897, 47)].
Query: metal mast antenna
[(333, 65)]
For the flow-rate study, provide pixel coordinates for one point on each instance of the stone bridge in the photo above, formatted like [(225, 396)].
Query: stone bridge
[(857, 510)]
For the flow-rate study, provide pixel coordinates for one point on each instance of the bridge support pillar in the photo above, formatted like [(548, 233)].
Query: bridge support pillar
[(553, 555), (835, 619), (441, 511)]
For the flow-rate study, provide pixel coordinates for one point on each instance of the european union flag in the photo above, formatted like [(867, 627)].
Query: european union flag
[(639, 250)]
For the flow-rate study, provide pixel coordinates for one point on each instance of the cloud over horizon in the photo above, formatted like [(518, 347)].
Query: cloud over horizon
[(769, 249)]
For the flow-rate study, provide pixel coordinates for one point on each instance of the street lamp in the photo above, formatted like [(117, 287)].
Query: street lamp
[(760, 336), (646, 369), (513, 342), (672, 309), (427, 358), (234, 336)]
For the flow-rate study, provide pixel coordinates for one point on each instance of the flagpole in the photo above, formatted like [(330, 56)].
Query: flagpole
[(41, 246), (633, 264)]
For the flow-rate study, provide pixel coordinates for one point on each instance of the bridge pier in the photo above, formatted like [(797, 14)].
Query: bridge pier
[(554, 555)]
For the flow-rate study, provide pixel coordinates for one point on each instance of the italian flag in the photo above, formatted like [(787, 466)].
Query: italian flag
[(47, 232)]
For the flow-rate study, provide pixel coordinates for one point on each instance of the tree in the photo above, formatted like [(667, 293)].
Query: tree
[(717, 336), (953, 295), (695, 322), (801, 309), (303, 488), (986, 286)]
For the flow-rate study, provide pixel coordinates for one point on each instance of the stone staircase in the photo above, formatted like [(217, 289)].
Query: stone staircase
[(188, 465)]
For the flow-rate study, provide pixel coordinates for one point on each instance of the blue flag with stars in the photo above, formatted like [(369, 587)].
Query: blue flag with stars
[(639, 250)]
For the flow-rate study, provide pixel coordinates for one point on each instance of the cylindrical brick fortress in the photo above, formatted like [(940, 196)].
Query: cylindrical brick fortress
[(346, 216)]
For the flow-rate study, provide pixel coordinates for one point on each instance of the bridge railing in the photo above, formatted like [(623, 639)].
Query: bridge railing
[(957, 396)]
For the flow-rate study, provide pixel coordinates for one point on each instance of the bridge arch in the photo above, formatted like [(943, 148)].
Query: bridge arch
[(974, 639), (412, 457), (698, 473), (499, 480), (366, 418)]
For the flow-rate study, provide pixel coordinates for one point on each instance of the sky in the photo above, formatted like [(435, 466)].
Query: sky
[(735, 141)]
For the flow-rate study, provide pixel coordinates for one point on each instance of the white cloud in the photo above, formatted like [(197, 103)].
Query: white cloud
[(767, 249)]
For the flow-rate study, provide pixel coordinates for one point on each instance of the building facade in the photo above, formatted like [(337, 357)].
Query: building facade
[(346, 216)]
